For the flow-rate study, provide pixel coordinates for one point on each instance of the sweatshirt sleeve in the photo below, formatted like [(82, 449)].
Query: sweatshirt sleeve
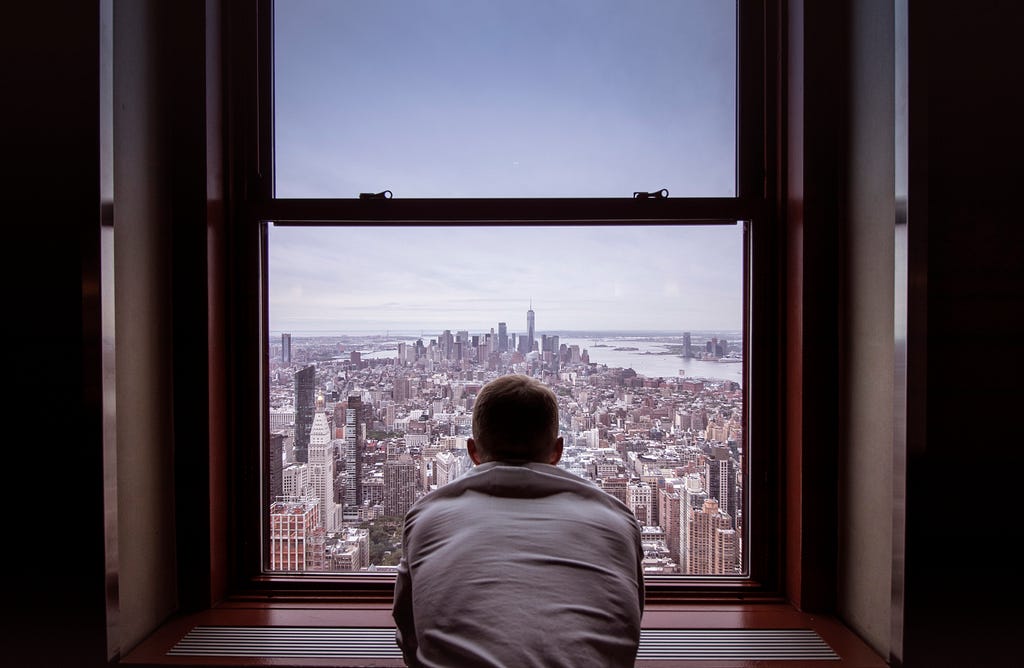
[(405, 631), (641, 586)]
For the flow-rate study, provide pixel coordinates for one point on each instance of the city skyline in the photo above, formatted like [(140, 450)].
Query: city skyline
[(669, 447)]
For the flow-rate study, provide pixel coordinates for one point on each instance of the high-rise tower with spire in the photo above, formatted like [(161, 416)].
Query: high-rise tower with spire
[(321, 467), (530, 330)]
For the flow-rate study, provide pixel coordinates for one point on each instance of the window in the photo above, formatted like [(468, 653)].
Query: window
[(511, 139), (576, 98)]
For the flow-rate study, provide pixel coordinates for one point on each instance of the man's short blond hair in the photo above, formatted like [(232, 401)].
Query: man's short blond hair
[(515, 417)]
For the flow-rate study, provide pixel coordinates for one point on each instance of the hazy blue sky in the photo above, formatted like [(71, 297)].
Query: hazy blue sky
[(651, 277), (519, 98)]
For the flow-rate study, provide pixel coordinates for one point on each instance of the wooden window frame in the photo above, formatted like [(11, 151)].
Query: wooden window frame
[(235, 566)]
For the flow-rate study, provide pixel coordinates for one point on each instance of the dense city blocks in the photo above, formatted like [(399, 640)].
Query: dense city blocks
[(361, 426)]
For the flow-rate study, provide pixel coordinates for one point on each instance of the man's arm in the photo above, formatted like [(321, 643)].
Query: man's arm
[(641, 589), (405, 632)]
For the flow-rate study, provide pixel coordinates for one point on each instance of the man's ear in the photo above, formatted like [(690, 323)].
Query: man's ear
[(473, 453), (556, 452)]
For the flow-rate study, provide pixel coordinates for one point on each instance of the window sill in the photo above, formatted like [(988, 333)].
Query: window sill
[(848, 648)]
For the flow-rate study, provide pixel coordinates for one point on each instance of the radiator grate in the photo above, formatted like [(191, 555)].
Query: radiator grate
[(379, 643)]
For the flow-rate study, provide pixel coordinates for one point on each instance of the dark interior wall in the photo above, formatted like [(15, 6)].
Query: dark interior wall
[(814, 120), (948, 597), (866, 298), (143, 158), (966, 276), (965, 362), (53, 320), (91, 91)]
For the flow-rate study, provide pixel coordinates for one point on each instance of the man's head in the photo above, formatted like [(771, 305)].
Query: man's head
[(515, 418)]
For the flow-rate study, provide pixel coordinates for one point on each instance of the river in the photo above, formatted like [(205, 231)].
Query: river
[(649, 358)]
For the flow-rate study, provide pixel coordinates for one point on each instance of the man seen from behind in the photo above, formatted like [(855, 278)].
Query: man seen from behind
[(518, 562)]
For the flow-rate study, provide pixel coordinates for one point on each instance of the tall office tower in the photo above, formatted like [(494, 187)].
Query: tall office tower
[(502, 337), (354, 448), (691, 499), (400, 389), (721, 476), (687, 350), (640, 501), (556, 358), (531, 332), (321, 470), (399, 485), (305, 380), (447, 343), (712, 542), (275, 464), (286, 349), (670, 503), (295, 534)]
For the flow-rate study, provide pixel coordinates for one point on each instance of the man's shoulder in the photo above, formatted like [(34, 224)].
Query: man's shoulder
[(522, 481)]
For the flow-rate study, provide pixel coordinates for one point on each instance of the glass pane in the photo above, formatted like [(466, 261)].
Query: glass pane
[(524, 98), (380, 338)]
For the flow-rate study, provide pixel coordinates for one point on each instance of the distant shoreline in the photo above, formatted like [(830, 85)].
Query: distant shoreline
[(730, 334)]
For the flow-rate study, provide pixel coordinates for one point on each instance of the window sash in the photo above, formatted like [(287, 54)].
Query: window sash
[(255, 204)]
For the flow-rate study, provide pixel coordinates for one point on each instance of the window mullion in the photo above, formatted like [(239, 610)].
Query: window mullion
[(590, 211)]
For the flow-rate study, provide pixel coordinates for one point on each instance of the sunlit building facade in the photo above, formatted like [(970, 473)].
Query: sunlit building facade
[(296, 535)]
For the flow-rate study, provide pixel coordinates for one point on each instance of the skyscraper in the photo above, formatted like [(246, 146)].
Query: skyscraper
[(286, 349), (321, 469), (687, 349), (721, 477), (502, 337), (712, 542), (305, 380), (691, 499), (399, 485), (354, 451), (531, 332), (447, 343), (669, 506)]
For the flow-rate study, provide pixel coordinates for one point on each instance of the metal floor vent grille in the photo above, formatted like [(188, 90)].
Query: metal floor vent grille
[(379, 643), (734, 645)]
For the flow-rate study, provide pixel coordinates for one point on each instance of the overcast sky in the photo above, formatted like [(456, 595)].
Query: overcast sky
[(521, 98)]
